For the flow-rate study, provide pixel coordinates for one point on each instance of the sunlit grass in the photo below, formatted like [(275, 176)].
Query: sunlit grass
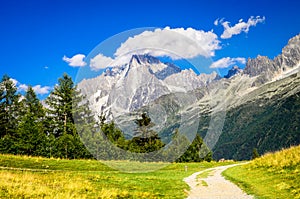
[(283, 159), (274, 175), (18, 184), (36, 177)]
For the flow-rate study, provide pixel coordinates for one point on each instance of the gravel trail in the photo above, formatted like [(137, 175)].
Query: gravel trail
[(214, 186)]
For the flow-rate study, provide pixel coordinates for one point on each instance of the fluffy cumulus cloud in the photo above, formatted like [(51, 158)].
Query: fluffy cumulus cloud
[(40, 90), (22, 87), (241, 26), (100, 61), (175, 43), (75, 61), (227, 61)]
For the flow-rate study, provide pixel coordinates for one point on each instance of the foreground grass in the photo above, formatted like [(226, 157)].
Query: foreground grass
[(274, 175), (32, 177)]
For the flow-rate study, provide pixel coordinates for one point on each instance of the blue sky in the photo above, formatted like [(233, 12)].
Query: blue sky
[(36, 35)]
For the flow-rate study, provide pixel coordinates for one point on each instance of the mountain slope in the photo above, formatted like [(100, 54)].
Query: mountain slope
[(268, 122)]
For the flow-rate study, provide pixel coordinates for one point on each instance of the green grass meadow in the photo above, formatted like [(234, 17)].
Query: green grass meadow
[(35, 177), (274, 175)]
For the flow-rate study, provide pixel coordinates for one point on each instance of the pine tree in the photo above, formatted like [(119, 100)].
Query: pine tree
[(32, 104), (60, 107), (255, 153), (9, 115), (144, 126), (196, 152), (9, 107), (66, 103), (176, 147), (31, 137), (145, 139)]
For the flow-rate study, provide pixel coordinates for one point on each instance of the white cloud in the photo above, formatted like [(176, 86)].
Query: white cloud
[(41, 90), (75, 61), (15, 82), (241, 26), (175, 43), (22, 87), (227, 61), (218, 21), (99, 62)]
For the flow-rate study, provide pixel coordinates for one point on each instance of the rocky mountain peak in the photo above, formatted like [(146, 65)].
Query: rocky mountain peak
[(155, 66), (290, 56), (144, 59), (294, 40), (266, 69), (233, 71), (258, 65)]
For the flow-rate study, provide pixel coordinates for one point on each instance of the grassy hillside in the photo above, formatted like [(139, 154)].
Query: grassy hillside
[(274, 175), (33, 177)]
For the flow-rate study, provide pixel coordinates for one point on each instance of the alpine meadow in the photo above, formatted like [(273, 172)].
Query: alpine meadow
[(182, 99)]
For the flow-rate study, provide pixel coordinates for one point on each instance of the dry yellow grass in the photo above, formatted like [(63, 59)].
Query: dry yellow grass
[(53, 185), (274, 175), (285, 158), (18, 184)]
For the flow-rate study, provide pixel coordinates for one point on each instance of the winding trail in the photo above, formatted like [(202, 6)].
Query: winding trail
[(214, 186)]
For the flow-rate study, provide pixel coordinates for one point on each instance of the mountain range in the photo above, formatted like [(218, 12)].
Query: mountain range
[(136, 84), (257, 107)]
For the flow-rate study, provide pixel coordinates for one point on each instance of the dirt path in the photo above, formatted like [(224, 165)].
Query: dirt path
[(214, 186)]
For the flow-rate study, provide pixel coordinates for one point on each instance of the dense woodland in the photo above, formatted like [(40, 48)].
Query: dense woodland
[(60, 128)]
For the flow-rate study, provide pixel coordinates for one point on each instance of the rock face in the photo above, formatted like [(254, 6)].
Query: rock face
[(167, 71), (233, 71), (266, 69), (261, 65), (290, 56), (137, 87)]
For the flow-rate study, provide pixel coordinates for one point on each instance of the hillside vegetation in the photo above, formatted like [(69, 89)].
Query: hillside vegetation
[(269, 122), (274, 175)]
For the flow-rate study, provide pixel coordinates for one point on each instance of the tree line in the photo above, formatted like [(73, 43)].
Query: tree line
[(61, 126), (29, 128)]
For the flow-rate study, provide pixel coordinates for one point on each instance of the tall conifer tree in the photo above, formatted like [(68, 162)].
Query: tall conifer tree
[(65, 102)]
